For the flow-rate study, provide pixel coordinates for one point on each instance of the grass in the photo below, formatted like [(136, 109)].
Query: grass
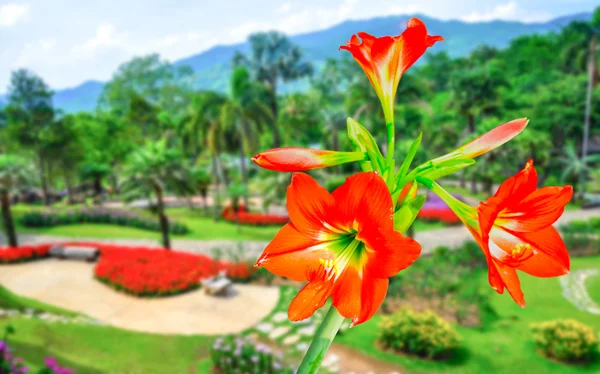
[(101, 349), (592, 284), (504, 343), (92, 349), (201, 228)]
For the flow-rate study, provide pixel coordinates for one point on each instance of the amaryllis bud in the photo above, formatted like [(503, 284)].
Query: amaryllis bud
[(488, 141), (291, 159), (361, 140)]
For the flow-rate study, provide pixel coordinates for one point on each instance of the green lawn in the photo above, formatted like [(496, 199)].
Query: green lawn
[(503, 344), (94, 349), (102, 350), (592, 284), (201, 228)]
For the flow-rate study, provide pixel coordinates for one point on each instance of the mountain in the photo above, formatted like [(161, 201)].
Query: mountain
[(79, 98), (213, 66)]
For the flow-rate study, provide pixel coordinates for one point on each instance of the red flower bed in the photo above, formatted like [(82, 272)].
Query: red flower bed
[(444, 215), (143, 271), (255, 219), (239, 272), (24, 253), (151, 272)]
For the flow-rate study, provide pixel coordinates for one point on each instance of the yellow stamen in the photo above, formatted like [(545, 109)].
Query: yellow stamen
[(520, 249)]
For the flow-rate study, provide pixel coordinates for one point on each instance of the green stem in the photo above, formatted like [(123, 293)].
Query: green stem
[(391, 134), (321, 342)]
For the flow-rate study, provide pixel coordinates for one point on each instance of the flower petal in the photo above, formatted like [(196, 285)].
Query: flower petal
[(538, 210), (358, 295), (511, 282), (516, 188), (414, 43), (388, 251), (365, 199), (309, 206), (293, 255), (550, 257), (310, 298)]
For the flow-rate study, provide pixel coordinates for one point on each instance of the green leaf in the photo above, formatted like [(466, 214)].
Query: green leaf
[(447, 168), (406, 215), (361, 140), (414, 147)]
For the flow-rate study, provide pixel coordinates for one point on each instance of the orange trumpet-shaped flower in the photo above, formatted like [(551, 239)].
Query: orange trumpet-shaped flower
[(302, 159), (343, 244), (515, 231), (385, 59)]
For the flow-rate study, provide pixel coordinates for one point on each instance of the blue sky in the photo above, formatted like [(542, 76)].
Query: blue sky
[(70, 41)]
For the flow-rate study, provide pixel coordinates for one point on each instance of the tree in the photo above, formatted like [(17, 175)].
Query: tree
[(155, 170), (29, 112), (159, 82), (274, 58), (61, 140), (205, 129), (201, 180), (243, 114), (14, 174), (576, 168)]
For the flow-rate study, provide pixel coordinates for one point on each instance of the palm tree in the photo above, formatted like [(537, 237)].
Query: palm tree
[(204, 130), (575, 167), (156, 169), (243, 115), (14, 174), (201, 180), (274, 58)]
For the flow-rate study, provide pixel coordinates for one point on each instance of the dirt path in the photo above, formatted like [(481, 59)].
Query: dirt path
[(70, 285)]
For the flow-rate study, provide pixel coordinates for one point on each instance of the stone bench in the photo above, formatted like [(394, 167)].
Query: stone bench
[(73, 252), (217, 286)]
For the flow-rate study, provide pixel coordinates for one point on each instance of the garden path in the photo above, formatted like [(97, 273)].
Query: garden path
[(451, 237), (70, 285)]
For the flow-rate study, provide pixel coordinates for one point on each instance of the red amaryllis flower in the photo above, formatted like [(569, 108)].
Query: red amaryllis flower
[(385, 59), (517, 233), (343, 244), (302, 159)]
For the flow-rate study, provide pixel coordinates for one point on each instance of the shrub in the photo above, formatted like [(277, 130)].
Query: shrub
[(151, 272), (566, 340), (231, 355), (581, 237), (255, 219), (49, 218), (424, 334), (23, 253)]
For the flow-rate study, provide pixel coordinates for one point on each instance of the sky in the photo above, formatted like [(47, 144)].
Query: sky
[(67, 42)]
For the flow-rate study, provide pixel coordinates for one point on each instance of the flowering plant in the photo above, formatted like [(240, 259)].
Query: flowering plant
[(240, 355), (150, 272), (23, 253), (348, 243)]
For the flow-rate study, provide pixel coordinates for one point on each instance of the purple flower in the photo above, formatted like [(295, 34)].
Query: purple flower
[(254, 359), (50, 362)]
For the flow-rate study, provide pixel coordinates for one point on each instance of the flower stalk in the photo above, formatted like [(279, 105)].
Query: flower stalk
[(321, 342)]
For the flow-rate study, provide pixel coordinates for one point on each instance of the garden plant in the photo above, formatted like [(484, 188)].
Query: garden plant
[(348, 243)]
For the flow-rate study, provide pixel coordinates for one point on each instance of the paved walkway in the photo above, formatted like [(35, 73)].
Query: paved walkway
[(450, 236), (70, 285)]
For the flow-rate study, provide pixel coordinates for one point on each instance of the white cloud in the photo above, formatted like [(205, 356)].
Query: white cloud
[(284, 8), (11, 14), (509, 11)]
